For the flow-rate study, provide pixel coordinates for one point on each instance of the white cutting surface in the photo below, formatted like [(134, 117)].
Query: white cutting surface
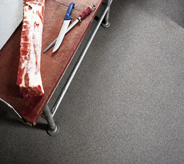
[(11, 14)]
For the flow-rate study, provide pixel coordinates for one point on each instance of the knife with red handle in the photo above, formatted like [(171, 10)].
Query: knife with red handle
[(78, 19)]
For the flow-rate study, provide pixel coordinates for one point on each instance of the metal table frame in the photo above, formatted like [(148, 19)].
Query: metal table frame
[(48, 114)]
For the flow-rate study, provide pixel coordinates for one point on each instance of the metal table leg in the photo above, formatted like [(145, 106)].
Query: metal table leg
[(106, 22), (53, 127)]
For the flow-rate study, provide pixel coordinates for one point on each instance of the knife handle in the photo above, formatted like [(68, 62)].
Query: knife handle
[(69, 11), (87, 11)]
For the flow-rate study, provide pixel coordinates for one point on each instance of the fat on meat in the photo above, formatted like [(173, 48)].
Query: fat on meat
[(29, 76)]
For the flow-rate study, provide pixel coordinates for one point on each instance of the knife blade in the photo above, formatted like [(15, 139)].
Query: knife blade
[(65, 25), (78, 19)]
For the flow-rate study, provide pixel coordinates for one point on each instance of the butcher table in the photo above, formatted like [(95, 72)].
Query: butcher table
[(53, 65)]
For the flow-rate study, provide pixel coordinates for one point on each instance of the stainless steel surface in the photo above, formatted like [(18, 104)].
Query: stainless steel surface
[(52, 44), (73, 24), (61, 34)]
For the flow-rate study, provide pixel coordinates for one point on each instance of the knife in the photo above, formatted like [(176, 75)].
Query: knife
[(64, 27), (79, 19)]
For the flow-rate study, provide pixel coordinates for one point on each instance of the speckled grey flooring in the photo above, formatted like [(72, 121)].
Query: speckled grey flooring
[(126, 102)]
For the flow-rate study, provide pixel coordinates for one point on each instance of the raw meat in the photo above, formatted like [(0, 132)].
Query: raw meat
[(29, 76)]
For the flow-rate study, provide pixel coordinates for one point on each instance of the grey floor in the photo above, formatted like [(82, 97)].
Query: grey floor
[(126, 102)]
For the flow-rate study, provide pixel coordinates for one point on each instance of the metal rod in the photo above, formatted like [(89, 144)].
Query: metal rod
[(53, 127), (106, 22), (49, 118), (58, 101), (106, 19)]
